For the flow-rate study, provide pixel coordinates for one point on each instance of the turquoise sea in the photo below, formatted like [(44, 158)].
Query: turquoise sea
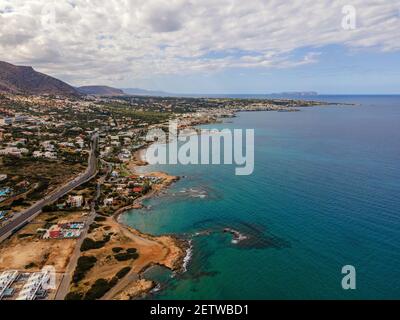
[(324, 194)]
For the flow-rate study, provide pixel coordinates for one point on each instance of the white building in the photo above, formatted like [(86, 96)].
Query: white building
[(79, 141), (6, 280), (108, 202), (75, 201), (50, 155), (6, 121), (48, 145), (66, 144), (11, 151), (36, 282)]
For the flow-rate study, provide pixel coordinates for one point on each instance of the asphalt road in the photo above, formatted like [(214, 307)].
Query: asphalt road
[(25, 217)]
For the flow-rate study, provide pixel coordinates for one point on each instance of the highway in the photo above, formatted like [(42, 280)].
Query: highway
[(27, 215)]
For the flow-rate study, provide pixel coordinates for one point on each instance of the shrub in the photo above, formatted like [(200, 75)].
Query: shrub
[(126, 256), (123, 272), (31, 265), (90, 244), (94, 226), (117, 249), (113, 282), (17, 202), (74, 296), (51, 219), (98, 289), (25, 235), (50, 208), (85, 263), (100, 219)]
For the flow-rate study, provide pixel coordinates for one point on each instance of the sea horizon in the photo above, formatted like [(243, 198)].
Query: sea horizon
[(277, 96)]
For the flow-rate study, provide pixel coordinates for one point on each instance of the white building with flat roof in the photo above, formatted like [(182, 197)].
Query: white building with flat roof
[(35, 282), (6, 280), (75, 201)]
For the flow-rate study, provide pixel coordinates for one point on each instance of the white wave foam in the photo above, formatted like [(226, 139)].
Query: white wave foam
[(188, 257)]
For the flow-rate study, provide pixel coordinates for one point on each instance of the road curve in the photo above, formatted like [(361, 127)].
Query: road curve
[(29, 213)]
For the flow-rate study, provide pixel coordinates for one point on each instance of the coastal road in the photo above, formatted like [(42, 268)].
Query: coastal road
[(30, 213)]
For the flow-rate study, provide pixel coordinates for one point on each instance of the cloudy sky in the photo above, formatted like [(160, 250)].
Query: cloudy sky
[(209, 46)]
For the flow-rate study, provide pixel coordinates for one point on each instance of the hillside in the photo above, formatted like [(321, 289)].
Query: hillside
[(144, 92), (25, 80), (100, 91)]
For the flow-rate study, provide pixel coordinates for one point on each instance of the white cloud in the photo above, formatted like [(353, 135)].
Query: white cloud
[(96, 41)]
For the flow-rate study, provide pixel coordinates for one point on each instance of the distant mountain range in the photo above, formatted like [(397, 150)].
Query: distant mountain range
[(25, 80), (100, 90), (110, 91), (144, 92)]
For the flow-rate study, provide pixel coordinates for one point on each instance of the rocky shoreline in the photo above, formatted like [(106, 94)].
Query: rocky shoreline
[(179, 249)]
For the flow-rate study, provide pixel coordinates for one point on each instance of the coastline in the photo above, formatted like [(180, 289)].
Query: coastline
[(139, 160), (179, 250), (186, 246), (182, 260)]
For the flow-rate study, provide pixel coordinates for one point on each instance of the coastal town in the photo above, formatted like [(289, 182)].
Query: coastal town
[(69, 169)]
